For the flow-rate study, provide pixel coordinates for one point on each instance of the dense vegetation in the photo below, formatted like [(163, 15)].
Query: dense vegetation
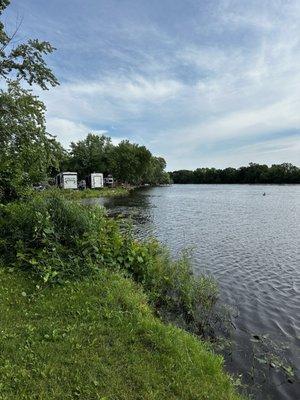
[(254, 173)]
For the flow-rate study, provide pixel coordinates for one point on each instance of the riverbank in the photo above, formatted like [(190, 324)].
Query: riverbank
[(98, 339), (84, 310)]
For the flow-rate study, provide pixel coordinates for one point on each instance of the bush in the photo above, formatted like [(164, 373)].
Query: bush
[(59, 240), (54, 238)]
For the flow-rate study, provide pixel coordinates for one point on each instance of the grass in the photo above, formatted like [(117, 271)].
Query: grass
[(98, 339), (92, 193)]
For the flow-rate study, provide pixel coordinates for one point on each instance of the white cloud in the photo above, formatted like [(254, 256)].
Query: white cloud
[(66, 130), (198, 94), (130, 89), (69, 131)]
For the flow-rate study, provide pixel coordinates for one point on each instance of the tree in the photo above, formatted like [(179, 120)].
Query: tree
[(27, 151), (130, 162), (91, 155), (24, 61), (182, 176), (156, 172)]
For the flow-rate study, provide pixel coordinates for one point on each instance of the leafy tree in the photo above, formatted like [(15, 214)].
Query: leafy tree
[(182, 176), (156, 173), (59, 157), (26, 60), (90, 155), (130, 162), (228, 175), (27, 151)]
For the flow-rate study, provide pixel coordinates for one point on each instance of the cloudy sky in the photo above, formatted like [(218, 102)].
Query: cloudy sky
[(199, 82)]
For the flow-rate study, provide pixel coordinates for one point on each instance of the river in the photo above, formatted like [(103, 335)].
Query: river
[(250, 243)]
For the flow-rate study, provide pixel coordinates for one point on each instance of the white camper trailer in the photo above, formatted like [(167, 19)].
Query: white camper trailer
[(67, 180), (95, 180)]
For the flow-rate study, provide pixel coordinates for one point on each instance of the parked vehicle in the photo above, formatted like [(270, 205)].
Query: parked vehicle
[(39, 187), (82, 185), (109, 181), (94, 180), (67, 180)]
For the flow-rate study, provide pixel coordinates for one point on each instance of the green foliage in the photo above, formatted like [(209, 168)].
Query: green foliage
[(24, 60), (27, 151), (91, 193), (52, 237), (58, 240), (90, 155), (156, 172), (98, 339), (254, 173), (129, 162)]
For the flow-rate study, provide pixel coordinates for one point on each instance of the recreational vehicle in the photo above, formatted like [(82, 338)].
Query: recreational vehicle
[(94, 181), (67, 180)]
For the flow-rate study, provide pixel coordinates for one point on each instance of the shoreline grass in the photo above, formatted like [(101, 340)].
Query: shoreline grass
[(98, 339), (89, 193)]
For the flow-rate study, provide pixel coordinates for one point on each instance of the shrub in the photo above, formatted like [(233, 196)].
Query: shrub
[(54, 238)]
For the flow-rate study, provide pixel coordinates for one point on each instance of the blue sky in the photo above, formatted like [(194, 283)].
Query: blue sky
[(201, 83)]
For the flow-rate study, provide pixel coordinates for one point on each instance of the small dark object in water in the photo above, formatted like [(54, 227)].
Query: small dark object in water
[(264, 193), (256, 337)]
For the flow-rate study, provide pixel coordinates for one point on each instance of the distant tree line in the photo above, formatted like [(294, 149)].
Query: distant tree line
[(253, 173)]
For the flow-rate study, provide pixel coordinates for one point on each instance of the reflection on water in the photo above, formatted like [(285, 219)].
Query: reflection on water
[(250, 243)]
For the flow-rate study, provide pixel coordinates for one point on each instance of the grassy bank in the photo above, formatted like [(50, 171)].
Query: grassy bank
[(98, 339), (91, 193), (84, 310)]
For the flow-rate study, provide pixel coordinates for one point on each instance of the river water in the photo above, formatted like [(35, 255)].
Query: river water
[(250, 244)]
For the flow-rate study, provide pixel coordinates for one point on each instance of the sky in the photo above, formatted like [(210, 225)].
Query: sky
[(201, 83)]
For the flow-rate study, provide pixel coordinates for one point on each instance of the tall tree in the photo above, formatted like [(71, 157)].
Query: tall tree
[(90, 155), (156, 173), (26, 148), (130, 162)]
